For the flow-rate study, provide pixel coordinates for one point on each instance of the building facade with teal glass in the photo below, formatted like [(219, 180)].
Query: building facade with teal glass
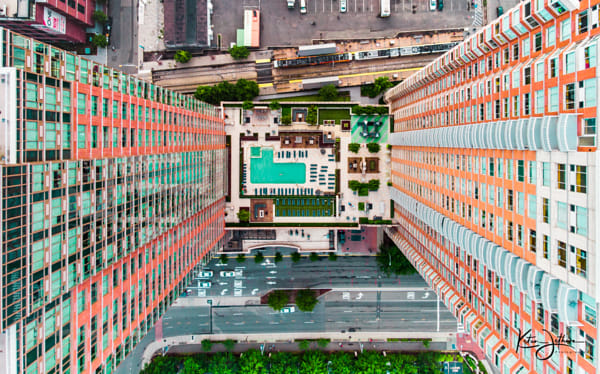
[(112, 191)]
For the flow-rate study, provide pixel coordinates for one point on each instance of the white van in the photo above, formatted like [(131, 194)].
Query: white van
[(302, 6)]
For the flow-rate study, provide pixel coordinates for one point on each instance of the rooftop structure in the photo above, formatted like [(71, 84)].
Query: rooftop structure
[(188, 23), (493, 157)]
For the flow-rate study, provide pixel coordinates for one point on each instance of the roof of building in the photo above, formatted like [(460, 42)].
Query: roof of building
[(186, 23)]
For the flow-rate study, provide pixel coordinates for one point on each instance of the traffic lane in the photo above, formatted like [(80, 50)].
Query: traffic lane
[(264, 319), (186, 320)]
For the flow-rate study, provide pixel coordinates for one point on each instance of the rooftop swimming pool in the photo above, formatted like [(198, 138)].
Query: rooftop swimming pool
[(263, 170)]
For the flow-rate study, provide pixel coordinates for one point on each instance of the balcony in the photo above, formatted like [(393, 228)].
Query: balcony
[(534, 283), (549, 292), (567, 304)]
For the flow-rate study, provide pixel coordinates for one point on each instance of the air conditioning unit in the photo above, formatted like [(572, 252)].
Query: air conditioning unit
[(3, 10), (587, 141)]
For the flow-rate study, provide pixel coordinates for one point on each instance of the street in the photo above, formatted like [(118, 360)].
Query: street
[(124, 36)]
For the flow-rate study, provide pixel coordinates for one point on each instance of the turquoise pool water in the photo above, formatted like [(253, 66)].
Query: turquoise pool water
[(255, 151), (263, 170)]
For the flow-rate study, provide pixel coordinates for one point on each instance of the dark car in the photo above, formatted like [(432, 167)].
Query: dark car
[(440, 5)]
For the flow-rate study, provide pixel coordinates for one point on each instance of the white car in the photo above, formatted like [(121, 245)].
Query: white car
[(432, 5), (288, 309), (205, 274), (227, 274), (205, 284), (343, 6)]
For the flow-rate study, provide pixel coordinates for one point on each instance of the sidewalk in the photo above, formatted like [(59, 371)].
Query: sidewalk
[(349, 341)]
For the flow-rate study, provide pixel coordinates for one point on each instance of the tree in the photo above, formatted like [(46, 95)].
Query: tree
[(332, 256), (99, 40), (314, 256), (224, 259), (342, 363), (240, 258), (252, 362), (100, 17), (382, 84), (259, 257), (238, 52), (278, 299), (221, 363), (370, 362), (354, 185), (207, 345), (182, 56), (247, 105), (278, 257), (243, 215), (162, 364), (229, 344), (354, 147), (296, 256), (391, 261), (191, 366), (246, 90), (373, 184), (311, 115), (283, 363), (373, 147), (306, 300), (313, 362), (304, 344), (286, 119), (328, 93), (274, 105), (323, 343)]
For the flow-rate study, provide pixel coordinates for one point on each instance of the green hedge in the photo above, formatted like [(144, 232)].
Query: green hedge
[(365, 220), (291, 224)]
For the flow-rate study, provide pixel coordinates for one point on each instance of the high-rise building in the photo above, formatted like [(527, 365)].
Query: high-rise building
[(112, 191), (494, 172), (49, 20)]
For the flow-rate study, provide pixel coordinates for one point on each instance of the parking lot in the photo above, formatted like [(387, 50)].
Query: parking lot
[(281, 26)]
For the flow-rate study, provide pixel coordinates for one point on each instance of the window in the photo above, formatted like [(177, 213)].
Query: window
[(581, 220), (546, 247), (570, 62), (515, 106), (570, 96), (582, 22), (565, 29), (515, 50), (81, 103), (538, 42), (515, 78), (589, 126), (526, 47), (526, 109), (532, 172), (546, 174), (553, 99), (539, 71), (561, 215), (580, 179), (520, 170), (580, 267), (532, 241), (553, 71), (532, 209), (94, 105), (550, 36), (81, 301), (509, 230), (589, 87), (561, 176), (545, 210), (589, 54), (527, 75), (509, 200), (561, 248), (539, 101)]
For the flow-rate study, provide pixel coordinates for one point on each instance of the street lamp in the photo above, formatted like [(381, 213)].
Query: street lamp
[(328, 368)]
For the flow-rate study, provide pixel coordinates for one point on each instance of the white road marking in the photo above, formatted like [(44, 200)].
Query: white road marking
[(309, 321), (347, 311), (273, 323), (239, 323), (238, 314)]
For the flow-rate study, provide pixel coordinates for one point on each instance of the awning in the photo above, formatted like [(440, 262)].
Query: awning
[(567, 304), (534, 283), (550, 292)]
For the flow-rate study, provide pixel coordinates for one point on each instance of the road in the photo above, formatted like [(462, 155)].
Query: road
[(253, 279), (401, 311), (124, 36)]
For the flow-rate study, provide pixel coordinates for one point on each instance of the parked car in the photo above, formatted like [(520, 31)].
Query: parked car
[(205, 284), (440, 5), (499, 11), (343, 6), (227, 274), (205, 274), (432, 5), (108, 29), (288, 309)]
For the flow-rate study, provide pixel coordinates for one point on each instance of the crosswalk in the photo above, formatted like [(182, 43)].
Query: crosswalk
[(478, 16)]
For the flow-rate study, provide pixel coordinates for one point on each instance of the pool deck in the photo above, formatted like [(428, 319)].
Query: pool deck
[(347, 198)]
